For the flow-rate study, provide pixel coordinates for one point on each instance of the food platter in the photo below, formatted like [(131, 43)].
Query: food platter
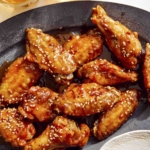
[(74, 17)]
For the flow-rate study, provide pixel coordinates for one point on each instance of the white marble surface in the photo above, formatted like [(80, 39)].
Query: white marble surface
[(7, 12)]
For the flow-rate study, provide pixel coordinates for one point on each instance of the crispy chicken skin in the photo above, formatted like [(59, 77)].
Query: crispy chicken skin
[(37, 104), (61, 133), (19, 76), (110, 121), (49, 54), (105, 73), (86, 99), (84, 48), (146, 71), (146, 67), (13, 127), (121, 41)]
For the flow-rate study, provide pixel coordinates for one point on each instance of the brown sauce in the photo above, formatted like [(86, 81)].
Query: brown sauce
[(15, 1)]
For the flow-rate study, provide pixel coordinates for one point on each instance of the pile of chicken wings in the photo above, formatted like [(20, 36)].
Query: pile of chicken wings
[(23, 102)]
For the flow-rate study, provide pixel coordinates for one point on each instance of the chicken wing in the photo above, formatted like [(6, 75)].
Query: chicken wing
[(110, 121), (20, 76), (121, 41), (105, 73), (146, 70), (38, 104), (14, 129), (49, 54), (84, 48), (86, 99), (62, 133), (146, 67)]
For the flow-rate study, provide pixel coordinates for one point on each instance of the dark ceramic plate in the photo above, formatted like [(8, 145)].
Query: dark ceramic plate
[(74, 17)]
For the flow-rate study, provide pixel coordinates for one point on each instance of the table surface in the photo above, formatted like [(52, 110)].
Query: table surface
[(7, 12)]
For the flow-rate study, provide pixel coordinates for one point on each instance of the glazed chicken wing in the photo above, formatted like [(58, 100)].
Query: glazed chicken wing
[(84, 48), (105, 73), (60, 134), (121, 41), (86, 99), (19, 77), (146, 70), (110, 121), (146, 67), (14, 129), (49, 54), (38, 104)]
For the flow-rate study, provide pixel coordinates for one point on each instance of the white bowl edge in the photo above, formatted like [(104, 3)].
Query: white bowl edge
[(133, 140)]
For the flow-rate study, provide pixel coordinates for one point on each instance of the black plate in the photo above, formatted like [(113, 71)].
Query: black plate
[(75, 16)]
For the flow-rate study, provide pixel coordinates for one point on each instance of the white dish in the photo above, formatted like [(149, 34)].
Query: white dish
[(133, 140)]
